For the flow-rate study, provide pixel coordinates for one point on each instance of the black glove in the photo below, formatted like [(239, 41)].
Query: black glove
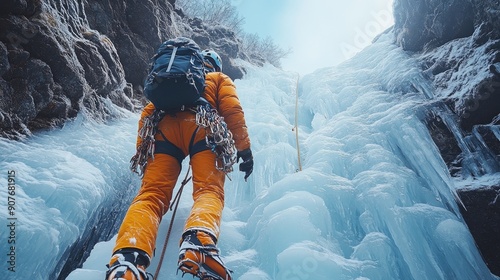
[(247, 164)]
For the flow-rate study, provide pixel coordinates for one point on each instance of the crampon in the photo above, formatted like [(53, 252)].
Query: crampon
[(202, 261), (204, 265), (126, 271), (126, 265)]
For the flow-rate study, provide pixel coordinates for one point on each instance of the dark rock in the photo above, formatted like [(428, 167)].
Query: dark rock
[(18, 58), (106, 49), (80, 63), (5, 96), (31, 82), (16, 7), (58, 108), (446, 143), (20, 7), (5, 88), (93, 103), (482, 215), (196, 24), (16, 32), (464, 77), (234, 72), (228, 47), (482, 105), (40, 83), (224, 42), (135, 61), (49, 44), (495, 69), (486, 14), (488, 135), (119, 98), (431, 23), (136, 29), (13, 127), (4, 60), (95, 67)]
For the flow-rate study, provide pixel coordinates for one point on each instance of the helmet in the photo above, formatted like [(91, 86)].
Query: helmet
[(213, 58)]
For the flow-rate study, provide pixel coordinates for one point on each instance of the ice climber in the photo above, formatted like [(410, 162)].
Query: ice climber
[(178, 136)]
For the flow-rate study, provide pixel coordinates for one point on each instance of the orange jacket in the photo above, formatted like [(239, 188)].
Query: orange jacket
[(220, 92)]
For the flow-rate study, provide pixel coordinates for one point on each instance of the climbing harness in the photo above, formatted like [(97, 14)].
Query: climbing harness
[(218, 137)]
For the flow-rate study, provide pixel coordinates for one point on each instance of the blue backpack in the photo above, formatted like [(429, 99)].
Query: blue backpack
[(176, 79)]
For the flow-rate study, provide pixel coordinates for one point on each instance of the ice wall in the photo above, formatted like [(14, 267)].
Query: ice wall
[(65, 182), (375, 199)]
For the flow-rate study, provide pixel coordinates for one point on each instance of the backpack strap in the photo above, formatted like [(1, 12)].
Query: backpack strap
[(172, 59)]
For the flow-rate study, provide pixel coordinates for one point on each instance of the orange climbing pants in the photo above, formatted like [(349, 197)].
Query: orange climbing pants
[(140, 225)]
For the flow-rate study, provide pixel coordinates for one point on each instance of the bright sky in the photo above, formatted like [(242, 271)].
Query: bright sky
[(321, 33)]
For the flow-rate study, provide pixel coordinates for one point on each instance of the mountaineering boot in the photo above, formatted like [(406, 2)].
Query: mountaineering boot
[(128, 264), (199, 256)]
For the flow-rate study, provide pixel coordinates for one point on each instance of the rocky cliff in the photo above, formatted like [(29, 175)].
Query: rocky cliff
[(458, 44), (59, 57)]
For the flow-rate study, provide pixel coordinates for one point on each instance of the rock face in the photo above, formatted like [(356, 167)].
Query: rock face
[(430, 23), (458, 44), (55, 65), (483, 215), (59, 57)]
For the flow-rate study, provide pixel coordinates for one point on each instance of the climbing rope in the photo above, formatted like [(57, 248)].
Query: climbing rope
[(175, 201), (296, 128)]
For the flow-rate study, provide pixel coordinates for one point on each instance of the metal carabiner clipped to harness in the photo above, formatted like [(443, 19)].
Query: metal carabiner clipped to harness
[(218, 137), (147, 147)]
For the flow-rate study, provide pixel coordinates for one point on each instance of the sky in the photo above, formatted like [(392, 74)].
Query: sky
[(320, 33)]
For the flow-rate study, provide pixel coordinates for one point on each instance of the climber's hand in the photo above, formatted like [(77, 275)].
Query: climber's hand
[(247, 164)]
